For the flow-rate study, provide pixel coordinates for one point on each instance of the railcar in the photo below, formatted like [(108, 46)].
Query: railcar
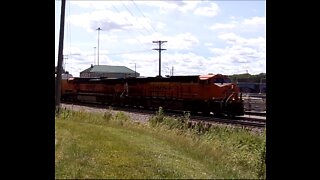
[(212, 93)]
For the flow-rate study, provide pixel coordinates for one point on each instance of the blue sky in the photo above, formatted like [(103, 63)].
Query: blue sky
[(227, 37)]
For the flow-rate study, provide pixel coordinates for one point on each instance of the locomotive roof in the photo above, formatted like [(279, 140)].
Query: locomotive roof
[(193, 78), (207, 76)]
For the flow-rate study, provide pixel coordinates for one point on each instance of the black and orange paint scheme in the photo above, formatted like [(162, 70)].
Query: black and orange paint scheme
[(212, 93)]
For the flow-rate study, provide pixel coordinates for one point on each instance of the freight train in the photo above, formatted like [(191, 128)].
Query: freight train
[(212, 93)]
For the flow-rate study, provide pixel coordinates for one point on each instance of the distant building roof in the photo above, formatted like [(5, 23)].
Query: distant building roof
[(109, 69)]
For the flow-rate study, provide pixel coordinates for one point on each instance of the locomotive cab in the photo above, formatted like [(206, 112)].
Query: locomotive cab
[(225, 95)]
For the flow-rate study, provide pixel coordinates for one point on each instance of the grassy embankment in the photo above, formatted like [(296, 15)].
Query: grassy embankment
[(93, 145)]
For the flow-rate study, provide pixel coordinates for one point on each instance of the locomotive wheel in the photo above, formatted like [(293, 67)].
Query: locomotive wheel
[(218, 114), (206, 113), (231, 115)]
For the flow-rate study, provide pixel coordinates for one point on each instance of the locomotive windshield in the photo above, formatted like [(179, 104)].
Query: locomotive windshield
[(221, 80)]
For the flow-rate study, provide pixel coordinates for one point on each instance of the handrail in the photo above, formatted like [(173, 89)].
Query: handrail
[(229, 97)]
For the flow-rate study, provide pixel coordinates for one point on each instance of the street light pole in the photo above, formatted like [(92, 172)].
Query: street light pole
[(98, 42)]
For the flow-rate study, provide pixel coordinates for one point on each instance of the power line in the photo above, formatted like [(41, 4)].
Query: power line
[(143, 14), (128, 52), (129, 23), (135, 18), (116, 53)]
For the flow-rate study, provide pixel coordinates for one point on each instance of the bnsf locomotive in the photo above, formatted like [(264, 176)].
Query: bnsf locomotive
[(205, 93)]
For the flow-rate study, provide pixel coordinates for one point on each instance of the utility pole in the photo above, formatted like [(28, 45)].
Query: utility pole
[(60, 56), (98, 42), (172, 71), (159, 49), (94, 55)]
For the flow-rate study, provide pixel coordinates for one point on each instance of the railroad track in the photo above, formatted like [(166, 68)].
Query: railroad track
[(256, 113), (246, 121)]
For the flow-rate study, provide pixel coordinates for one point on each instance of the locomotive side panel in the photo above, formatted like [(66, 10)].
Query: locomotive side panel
[(68, 90)]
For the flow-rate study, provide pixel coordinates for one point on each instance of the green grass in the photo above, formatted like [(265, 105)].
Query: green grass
[(92, 145)]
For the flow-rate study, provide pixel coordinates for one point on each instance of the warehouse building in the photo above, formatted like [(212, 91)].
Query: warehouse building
[(97, 71)]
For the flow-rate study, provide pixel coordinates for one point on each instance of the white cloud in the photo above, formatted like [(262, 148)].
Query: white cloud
[(207, 11), (147, 63), (164, 6), (236, 58), (188, 6), (255, 21), (99, 5), (230, 61), (183, 41), (160, 4), (119, 21), (232, 38), (248, 24), (109, 38), (186, 63), (160, 26), (217, 51), (169, 6), (239, 51), (176, 42), (81, 59), (243, 54), (222, 26)]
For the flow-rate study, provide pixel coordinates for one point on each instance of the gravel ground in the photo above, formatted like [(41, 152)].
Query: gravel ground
[(143, 118), (254, 104), (134, 116)]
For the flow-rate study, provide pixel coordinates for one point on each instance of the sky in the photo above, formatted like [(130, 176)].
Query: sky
[(225, 37)]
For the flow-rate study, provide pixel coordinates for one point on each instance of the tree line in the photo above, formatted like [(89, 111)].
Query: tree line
[(257, 78)]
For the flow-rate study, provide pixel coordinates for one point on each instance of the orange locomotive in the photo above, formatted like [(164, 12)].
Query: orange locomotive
[(204, 93)]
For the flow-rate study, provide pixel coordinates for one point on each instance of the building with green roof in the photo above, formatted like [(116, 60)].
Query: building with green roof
[(97, 71)]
